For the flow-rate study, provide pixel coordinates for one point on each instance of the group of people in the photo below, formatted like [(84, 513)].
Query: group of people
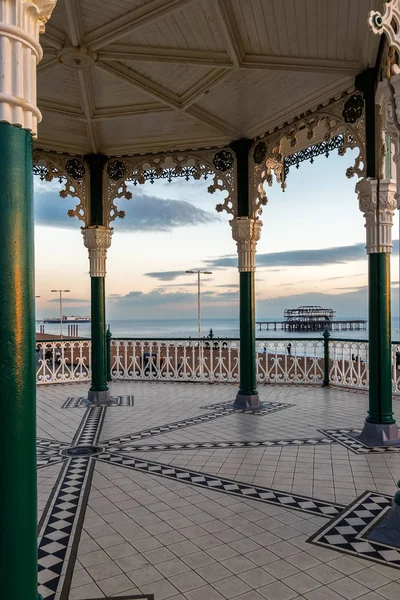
[(50, 355)]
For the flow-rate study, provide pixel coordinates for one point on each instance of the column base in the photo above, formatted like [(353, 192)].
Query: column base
[(388, 531), (243, 401), (99, 398), (377, 434)]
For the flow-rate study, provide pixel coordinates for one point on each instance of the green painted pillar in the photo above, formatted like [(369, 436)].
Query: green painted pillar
[(98, 317), (246, 232), (97, 238), (380, 409), (18, 510), (377, 202)]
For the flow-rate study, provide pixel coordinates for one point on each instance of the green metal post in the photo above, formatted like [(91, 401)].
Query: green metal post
[(326, 336), (380, 352), (248, 358), (18, 512), (108, 354), (98, 317)]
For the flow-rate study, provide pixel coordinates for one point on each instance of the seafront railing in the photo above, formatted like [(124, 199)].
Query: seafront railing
[(339, 362)]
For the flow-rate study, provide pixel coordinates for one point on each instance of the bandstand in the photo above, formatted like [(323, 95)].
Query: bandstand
[(99, 95)]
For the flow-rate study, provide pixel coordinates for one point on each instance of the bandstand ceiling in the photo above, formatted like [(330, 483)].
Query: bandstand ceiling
[(132, 76)]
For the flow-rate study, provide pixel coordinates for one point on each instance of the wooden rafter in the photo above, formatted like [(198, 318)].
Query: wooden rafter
[(160, 93), (151, 11), (207, 58), (230, 31), (116, 112), (73, 22), (61, 109), (87, 103)]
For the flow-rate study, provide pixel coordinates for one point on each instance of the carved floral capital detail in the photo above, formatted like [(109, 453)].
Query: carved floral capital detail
[(97, 239), (378, 209), (246, 232)]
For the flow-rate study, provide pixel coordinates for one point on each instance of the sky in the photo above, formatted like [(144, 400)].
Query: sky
[(311, 251)]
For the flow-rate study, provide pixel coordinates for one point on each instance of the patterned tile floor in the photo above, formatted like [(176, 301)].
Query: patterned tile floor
[(179, 497)]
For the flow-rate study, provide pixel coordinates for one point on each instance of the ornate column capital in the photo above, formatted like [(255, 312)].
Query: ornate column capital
[(246, 232), (378, 211), (21, 22), (97, 240)]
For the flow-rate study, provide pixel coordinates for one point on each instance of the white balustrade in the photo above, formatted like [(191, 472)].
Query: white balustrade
[(298, 361), (63, 361)]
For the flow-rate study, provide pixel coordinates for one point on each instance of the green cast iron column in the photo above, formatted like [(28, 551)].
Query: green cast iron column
[(18, 544), (96, 163), (380, 351), (98, 316), (380, 410), (248, 372)]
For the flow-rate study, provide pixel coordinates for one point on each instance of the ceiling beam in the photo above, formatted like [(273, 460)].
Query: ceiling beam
[(293, 63), (149, 12), (106, 114), (140, 81), (230, 31), (185, 56), (61, 109), (46, 66), (216, 123), (204, 86), (73, 22), (85, 90), (53, 37), (160, 93)]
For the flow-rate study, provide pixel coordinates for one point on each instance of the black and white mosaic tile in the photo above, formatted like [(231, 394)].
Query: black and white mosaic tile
[(265, 409), (60, 529), (82, 402), (223, 445), (224, 411), (344, 437), (48, 452), (347, 532), (221, 484)]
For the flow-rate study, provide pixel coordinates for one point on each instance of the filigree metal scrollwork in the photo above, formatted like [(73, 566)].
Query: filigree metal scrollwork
[(353, 108), (116, 170), (260, 152), (71, 172), (340, 118), (312, 152), (75, 168), (195, 165), (223, 160)]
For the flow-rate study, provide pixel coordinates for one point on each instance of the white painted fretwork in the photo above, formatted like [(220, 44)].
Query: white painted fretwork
[(377, 201), (21, 22), (388, 23), (97, 240), (246, 232)]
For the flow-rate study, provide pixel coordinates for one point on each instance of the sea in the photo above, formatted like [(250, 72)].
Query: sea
[(187, 328)]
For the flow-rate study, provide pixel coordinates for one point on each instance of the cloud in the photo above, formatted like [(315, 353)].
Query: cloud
[(166, 275), (228, 285), (143, 213), (68, 300), (303, 258)]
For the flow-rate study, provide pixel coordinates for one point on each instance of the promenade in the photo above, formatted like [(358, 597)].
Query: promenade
[(180, 497)]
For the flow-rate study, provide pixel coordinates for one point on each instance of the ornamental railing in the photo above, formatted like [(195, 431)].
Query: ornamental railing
[(63, 361), (339, 362)]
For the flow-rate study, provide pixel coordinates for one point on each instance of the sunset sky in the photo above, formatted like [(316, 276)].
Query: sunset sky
[(311, 250)]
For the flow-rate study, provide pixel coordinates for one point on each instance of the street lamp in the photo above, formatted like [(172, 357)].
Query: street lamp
[(61, 292), (199, 272)]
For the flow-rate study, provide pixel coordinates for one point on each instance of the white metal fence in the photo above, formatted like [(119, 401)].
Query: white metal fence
[(278, 361)]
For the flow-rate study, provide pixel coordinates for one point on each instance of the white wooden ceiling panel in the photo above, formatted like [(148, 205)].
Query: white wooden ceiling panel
[(58, 85), (63, 134), (173, 77), (108, 91), (274, 96), (96, 13), (193, 72), (150, 132), (195, 26)]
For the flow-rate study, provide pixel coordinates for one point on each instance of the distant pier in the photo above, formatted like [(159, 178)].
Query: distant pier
[(311, 318), (355, 325)]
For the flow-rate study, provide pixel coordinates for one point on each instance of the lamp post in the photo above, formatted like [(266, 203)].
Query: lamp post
[(199, 272), (61, 311)]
